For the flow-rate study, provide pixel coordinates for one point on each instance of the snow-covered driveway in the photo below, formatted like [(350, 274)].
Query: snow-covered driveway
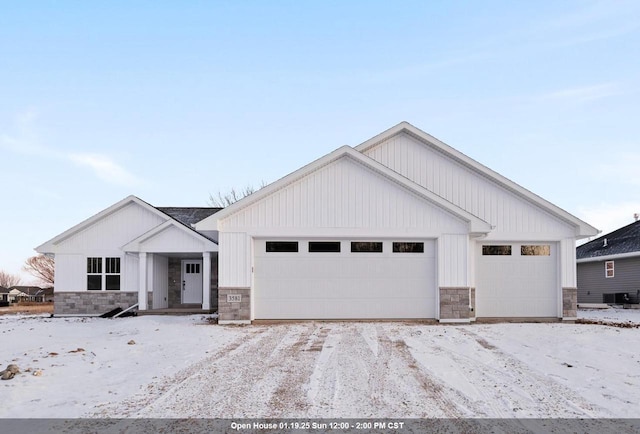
[(405, 370), (183, 367)]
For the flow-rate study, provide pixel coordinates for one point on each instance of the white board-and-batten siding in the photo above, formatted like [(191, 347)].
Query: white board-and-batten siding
[(512, 215), (234, 260), (111, 232), (171, 240), (344, 194)]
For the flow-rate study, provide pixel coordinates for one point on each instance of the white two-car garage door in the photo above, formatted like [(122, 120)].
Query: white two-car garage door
[(344, 279), (517, 280)]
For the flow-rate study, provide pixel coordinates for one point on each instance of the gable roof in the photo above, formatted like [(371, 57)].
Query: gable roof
[(48, 247), (183, 216), (583, 228), (4, 290), (619, 243), (135, 245), (476, 225)]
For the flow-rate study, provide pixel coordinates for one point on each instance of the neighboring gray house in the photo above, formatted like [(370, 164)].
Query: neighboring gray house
[(609, 267)]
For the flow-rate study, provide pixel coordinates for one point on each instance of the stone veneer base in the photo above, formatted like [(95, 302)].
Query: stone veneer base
[(91, 302)]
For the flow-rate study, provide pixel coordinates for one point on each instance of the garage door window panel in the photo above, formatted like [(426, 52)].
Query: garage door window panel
[(491, 250), (408, 247), (366, 246), (282, 246), (535, 250), (324, 246)]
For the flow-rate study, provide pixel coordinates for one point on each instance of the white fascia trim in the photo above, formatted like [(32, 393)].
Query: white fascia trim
[(583, 229), (609, 257), (136, 244), (49, 246), (476, 225)]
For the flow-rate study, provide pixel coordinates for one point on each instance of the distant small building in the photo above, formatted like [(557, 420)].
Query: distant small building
[(609, 267), (30, 293)]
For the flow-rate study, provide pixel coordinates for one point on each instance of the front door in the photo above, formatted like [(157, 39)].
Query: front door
[(192, 281)]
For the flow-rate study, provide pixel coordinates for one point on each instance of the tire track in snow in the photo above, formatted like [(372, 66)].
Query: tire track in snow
[(522, 384), (156, 390), (444, 401), (223, 385), (288, 398)]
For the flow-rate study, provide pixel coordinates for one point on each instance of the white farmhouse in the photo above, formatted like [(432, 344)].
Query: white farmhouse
[(400, 227)]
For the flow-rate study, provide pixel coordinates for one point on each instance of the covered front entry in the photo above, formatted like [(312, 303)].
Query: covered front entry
[(344, 279), (517, 280)]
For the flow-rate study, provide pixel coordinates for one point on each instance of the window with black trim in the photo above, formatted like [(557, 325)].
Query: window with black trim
[(535, 250), (112, 274), (410, 247), (282, 246), (609, 269), (94, 274), (99, 277), (496, 250), (324, 246), (366, 246)]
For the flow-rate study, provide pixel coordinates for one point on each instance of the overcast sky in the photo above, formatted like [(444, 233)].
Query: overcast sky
[(172, 101)]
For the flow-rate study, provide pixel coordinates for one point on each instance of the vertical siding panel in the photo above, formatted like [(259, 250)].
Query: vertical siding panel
[(465, 188)]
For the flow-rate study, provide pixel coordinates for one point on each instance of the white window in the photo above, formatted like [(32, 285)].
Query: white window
[(608, 269), (107, 277)]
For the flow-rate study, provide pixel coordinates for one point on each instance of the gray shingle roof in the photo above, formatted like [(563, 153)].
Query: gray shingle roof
[(623, 240), (187, 215)]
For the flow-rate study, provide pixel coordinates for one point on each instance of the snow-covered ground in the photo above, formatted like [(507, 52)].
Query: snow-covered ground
[(182, 366)]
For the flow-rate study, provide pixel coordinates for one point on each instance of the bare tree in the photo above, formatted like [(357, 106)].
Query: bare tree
[(42, 267), (224, 200), (8, 280)]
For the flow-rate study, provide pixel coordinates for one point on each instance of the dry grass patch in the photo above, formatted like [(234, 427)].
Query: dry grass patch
[(27, 308)]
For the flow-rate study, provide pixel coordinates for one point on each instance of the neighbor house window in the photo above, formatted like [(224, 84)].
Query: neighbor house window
[(496, 250), (366, 246), (107, 277), (535, 250), (324, 246), (608, 269), (399, 247), (282, 246)]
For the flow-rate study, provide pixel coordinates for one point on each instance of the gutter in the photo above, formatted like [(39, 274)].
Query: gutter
[(609, 257)]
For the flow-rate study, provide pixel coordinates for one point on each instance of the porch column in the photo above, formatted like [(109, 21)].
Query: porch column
[(142, 286), (206, 280)]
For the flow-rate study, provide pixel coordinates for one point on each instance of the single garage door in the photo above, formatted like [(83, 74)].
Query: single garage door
[(344, 279), (517, 280)]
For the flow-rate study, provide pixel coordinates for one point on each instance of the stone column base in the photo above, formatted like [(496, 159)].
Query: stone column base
[(234, 305), (454, 305), (569, 304)]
